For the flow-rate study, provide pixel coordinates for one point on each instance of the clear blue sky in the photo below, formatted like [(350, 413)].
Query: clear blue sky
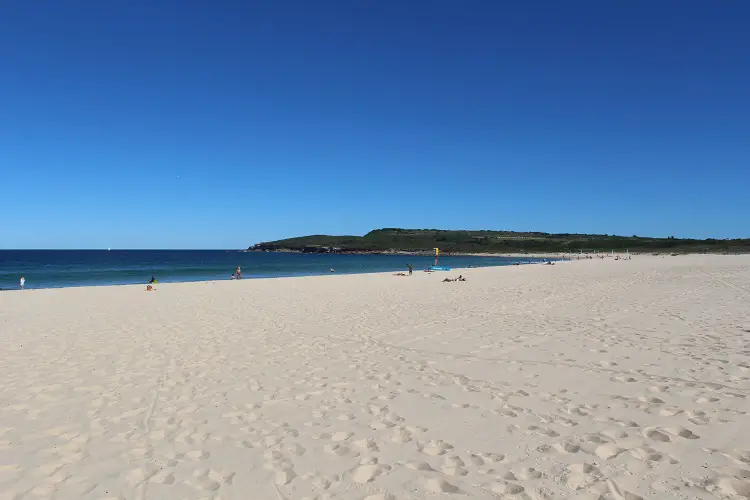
[(170, 124)]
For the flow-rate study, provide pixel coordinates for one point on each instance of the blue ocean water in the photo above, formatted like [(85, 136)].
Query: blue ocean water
[(66, 268)]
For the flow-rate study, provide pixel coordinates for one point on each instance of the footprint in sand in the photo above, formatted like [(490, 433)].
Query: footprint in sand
[(681, 432), (528, 474), (492, 457), (612, 489), (582, 475), (706, 400), (284, 475), (566, 447), (367, 473), (423, 466), (670, 411), (435, 447), (543, 431), (338, 437), (656, 435), (594, 438), (614, 433), (663, 435), (475, 460), (608, 451), (339, 450), (698, 417), (437, 485), (197, 455), (659, 388), (202, 481), (400, 436), (647, 454), (454, 466), (651, 400), (367, 444), (293, 449)]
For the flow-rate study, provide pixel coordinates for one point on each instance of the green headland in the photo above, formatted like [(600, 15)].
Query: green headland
[(394, 240)]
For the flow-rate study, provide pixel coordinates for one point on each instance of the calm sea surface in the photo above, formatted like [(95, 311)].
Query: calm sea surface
[(65, 268)]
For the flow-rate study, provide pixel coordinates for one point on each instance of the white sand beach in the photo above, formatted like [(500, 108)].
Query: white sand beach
[(586, 380)]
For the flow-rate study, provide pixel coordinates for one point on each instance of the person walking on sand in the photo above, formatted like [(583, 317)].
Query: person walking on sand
[(22, 282), (411, 269)]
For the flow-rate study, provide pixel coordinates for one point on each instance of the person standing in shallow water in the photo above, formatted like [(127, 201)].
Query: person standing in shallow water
[(238, 273), (22, 283)]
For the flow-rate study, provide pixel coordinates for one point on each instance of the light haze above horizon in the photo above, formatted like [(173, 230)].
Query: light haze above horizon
[(163, 124)]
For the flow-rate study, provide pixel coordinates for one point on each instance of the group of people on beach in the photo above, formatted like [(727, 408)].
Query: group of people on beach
[(449, 280), (410, 268), (236, 275)]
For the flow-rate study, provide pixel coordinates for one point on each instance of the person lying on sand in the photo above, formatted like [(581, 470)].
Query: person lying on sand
[(460, 278), (400, 274)]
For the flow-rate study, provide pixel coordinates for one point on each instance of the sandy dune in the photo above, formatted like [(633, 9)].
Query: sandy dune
[(588, 380)]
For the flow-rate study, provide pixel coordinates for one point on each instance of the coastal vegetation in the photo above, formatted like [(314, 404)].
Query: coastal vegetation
[(391, 240)]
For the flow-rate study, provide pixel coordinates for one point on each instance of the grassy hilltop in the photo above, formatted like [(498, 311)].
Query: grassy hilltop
[(424, 240)]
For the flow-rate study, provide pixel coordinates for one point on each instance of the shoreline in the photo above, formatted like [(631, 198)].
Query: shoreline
[(264, 277), (544, 256)]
